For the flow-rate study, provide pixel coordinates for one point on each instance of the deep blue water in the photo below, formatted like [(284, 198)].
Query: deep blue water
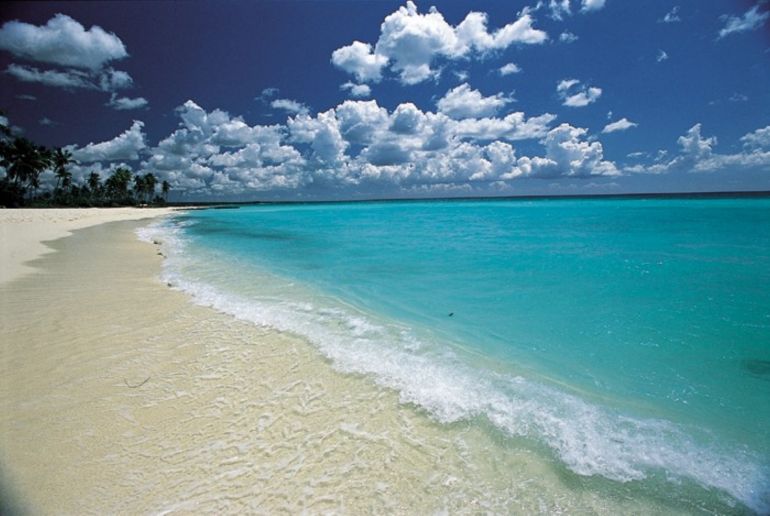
[(630, 337)]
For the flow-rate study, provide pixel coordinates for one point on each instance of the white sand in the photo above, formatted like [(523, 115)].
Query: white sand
[(22, 232)]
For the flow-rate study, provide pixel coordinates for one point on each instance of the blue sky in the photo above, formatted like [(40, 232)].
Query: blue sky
[(335, 100)]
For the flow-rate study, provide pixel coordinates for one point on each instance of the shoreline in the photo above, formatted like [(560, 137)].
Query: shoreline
[(24, 231), (151, 404)]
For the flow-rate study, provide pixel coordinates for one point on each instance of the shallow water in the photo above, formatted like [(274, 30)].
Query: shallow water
[(625, 338)]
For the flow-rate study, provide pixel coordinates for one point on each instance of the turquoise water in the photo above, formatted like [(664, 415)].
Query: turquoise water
[(629, 337)]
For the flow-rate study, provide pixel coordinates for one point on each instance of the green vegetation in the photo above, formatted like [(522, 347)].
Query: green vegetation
[(24, 162)]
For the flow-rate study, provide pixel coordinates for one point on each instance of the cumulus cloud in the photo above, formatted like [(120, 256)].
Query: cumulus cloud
[(759, 139), (696, 154), (126, 103), (514, 126), (750, 20), (62, 41), (620, 125), (575, 94), (567, 37), (359, 60), (213, 153), (508, 69), (356, 90), (292, 106), (571, 155), (125, 146), (357, 144), (662, 56), (410, 42), (464, 102)]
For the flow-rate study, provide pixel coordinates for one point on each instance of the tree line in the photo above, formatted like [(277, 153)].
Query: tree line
[(24, 162)]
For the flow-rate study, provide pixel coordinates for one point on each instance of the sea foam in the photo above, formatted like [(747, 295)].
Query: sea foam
[(588, 438)]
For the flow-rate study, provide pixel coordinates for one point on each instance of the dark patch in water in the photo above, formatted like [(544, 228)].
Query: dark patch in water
[(757, 367), (222, 229)]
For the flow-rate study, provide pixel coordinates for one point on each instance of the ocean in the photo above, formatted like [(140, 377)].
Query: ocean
[(623, 339)]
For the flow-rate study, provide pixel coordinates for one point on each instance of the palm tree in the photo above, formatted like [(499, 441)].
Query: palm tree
[(24, 161), (94, 182), (62, 158), (165, 187), (140, 187), (117, 184), (149, 186)]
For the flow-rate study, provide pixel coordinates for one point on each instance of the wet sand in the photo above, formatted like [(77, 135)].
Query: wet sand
[(118, 395)]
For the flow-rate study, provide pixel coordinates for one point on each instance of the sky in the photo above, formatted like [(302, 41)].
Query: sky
[(326, 100)]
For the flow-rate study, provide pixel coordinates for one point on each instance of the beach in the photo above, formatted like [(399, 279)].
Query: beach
[(119, 395), (23, 232)]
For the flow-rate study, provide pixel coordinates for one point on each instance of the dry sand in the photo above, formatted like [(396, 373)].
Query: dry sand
[(118, 395)]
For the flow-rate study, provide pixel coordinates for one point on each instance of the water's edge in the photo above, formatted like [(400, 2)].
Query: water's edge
[(586, 438)]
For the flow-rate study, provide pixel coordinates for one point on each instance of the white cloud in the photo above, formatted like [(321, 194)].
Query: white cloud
[(559, 8), (662, 56), (406, 119), (193, 158), (463, 102), (68, 80), (322, 133), (268, 93), (358, 59), (359, 121), (751, 20), (620, 125), (47, 122), (759, 139), (107, 80), (410, 43), (592, 5), (125, 146), (567, 37), (508, 69), (562, 8), (111, 80), (672, 16), (62, 41), (694, 145), (575, 94), (697, 154), (357, 90), (126, 103), (292, 106), (357, 144), (570, 155), (514, 126)]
